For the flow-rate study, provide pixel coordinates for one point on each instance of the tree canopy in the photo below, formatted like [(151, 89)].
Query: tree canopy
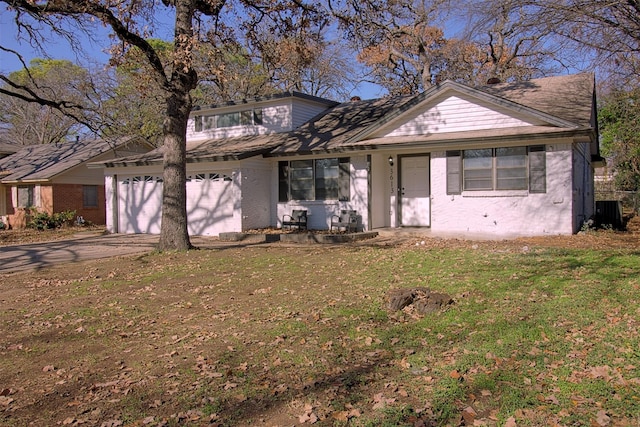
[(169, 54), (619, 119), (67, 86)]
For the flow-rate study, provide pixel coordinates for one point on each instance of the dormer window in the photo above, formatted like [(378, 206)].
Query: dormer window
[(224, 120)]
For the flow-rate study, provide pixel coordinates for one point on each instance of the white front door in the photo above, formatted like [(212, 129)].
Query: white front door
[(415, 203)]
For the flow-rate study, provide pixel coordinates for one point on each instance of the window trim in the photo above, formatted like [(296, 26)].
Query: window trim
[(535, 173), (286, 174), (248, 117)]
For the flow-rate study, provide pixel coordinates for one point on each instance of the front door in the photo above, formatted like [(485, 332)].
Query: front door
[(414, 198)]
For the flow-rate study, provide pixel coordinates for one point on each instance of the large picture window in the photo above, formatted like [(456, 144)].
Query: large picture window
[(508, 168), (319, 179)]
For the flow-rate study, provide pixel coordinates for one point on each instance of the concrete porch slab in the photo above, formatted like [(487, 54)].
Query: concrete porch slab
[(309, 237)]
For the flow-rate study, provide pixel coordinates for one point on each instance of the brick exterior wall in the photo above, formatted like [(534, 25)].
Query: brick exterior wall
[(59, 198), (46, 199), (70, 197)]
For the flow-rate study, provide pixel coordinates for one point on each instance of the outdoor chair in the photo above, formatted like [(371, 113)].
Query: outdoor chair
[(298, 218), (348, 219)]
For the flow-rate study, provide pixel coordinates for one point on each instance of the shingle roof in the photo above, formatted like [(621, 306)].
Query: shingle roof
[(330, 131), (281, 95), (565, 101), (566, 97), (7, 148), (43, 162)]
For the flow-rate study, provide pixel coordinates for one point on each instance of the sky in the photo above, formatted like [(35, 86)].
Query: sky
[(9, 38), (61, 50)]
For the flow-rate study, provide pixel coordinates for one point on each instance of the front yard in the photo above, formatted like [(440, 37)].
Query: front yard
[(541, 332)]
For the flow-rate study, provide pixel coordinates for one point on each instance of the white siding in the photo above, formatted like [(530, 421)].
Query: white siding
[(583, 187), (278, 115), (456, 114), (110, 186), (275, 118), (303, 111), (506, 213)]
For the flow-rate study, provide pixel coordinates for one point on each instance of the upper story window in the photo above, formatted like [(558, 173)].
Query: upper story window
[(224, 120)]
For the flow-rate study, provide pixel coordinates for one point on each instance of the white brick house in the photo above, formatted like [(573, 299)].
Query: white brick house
[(508, 159)]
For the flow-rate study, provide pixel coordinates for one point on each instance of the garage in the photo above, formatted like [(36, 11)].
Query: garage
[(139, 204), (211, 203)]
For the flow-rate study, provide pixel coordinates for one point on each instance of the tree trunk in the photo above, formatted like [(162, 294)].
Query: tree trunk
[(174, 234)]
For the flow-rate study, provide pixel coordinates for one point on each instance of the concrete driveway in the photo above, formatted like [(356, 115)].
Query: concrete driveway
[(81, 248), (88, 246)]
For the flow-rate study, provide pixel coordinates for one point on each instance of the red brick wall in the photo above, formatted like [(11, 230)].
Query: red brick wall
[(16, 217), (46, 199), (69, 197), (8, 204)]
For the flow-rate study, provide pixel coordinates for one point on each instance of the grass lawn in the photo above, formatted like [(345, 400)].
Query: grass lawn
[(274, 335)]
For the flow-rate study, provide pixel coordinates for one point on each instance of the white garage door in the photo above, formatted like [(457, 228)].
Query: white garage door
[(139, 204), (211, 204)]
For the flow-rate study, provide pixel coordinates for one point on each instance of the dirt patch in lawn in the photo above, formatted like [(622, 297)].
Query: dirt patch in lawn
[(249, 335)]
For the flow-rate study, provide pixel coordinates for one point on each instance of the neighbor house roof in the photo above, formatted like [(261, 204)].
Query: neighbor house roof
[(46, 161), (7, 148), (565, 103)]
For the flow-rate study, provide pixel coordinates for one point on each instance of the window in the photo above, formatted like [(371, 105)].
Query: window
[(454, 172), (25, 196), (225, 120), (251, 117), (209, 122), (537, 169), (228, 120), (477, 166), (320, 179), (90, 196), (509, 168)]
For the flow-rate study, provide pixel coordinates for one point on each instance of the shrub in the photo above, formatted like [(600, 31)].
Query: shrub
[(44, 221)]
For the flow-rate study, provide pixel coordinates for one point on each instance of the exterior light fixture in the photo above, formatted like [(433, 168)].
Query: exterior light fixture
[(390, 161)]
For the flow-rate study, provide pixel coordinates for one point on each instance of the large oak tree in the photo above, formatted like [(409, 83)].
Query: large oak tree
[(131, 23)]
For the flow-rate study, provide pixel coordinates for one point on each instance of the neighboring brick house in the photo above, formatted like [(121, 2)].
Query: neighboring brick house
[(7, 149), (55, 178)]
